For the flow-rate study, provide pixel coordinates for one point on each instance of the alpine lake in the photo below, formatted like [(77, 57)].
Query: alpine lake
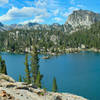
[(76, 73)]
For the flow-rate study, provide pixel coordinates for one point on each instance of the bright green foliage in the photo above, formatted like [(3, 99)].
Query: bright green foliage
[(54, 88), (3, 69), (34, 64), (38, 80), (27, 70), (20, 78)]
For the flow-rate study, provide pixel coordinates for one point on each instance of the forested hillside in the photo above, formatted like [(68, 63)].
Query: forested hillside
[(89, 37), (21, 40)]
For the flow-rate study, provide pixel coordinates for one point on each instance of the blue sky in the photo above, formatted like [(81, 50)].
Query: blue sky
[(42, 11)]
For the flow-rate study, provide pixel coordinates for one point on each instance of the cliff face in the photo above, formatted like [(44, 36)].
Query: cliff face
[(82, 18), (11, 90)]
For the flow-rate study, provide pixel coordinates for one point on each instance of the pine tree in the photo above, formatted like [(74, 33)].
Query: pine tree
[(3, 67), (27, 70), (34, 64), (20, 78), (38, 80), (54, 88), (0, 64)]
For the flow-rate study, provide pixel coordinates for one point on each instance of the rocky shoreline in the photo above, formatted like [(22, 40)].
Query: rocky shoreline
[(11, 90), (66, 50)]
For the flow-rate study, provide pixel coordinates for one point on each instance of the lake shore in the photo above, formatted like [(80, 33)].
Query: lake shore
[(60, 52), (11, 90)]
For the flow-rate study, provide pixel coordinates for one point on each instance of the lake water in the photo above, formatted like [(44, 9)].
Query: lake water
[(75, 73)]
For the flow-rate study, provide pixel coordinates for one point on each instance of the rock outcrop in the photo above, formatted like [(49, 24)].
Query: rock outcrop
[(6, 78), (82, 18), (11, 90)]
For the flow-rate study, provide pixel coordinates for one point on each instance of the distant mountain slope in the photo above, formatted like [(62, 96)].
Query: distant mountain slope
[(79, 19), (31, 26), (1, 27), (89, 37), (50, 41), (82, 18)]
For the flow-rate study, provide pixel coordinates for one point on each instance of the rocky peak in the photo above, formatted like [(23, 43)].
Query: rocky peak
[(55, 24), (82, 18), (32, 24), (1, 25)]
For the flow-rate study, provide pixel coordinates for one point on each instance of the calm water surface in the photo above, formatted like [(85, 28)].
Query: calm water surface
[(75, 73)]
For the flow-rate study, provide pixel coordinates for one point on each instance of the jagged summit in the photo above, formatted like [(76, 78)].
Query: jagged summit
[(30, 24), (82, 18)]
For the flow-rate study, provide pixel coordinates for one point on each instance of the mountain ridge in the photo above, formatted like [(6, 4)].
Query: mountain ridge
[(82, 18), (77, 20)]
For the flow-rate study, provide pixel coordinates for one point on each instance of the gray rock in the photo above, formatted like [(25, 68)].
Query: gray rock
[(11, 90), (82, 18)]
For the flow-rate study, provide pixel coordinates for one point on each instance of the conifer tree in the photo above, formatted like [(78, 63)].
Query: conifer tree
[(38, 80), (20, 78), (27, 70), (54, 88), (3, 65), (3, 69), (0, 64), (34, 64)]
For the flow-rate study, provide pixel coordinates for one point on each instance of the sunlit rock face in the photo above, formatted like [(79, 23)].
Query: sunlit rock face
[(82, 18)]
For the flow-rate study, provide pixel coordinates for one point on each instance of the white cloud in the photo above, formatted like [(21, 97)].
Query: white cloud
[(14, 13), (57, 19), (66, 14), (72, 2), (3, 2), (56, 12), (25, 12), (33, 11), (40, 3), (70, 10), (37, 19), (50, 5), (29, 3), (81, 6)]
